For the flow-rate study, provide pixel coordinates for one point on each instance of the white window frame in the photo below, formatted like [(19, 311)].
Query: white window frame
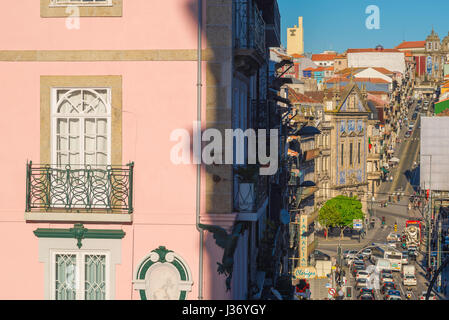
[(55, 116), (80, 268), (81, 3)]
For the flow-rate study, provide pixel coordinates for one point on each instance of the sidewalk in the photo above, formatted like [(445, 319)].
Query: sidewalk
[(370, 234)]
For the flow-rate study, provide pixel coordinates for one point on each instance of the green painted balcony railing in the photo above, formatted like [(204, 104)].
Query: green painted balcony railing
[(79, 188)]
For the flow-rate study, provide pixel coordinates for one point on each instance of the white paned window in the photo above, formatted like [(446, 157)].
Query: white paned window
[(64, 3), (81, 126), (80, 275)]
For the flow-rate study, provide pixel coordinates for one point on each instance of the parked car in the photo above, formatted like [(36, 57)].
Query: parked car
[(432, 296), (414, 116), (318, 255)]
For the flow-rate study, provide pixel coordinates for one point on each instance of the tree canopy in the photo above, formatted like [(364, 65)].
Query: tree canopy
[(340, 212)]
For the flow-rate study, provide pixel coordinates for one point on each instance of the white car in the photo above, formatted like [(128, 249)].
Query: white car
[(432, 296), (409, 280), (386, 278), (393, 236), (393, 297), (362, 274), (348, 254), (366, 253), (350, 260), (404, 257)]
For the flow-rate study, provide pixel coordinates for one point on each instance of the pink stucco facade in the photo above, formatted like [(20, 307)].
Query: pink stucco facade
[(157, 98)]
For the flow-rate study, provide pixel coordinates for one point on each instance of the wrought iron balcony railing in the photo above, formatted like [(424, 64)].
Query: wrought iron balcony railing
[(249, 197), (249, 30), (76, 188)]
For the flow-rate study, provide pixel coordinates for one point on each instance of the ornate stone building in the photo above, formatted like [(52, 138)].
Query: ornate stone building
[(438, 53), (347, 112)]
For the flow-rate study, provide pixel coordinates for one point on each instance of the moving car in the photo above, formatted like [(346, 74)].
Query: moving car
[(394, 298), (366, 297), (364, 291), (362, 274), (404, 257), (414, 116), (361, 283), (386, 278), (349, 254), (388, 286), (392, 293), (358, 263), (408, 133), (409, 280), (318, 255), (367, 253), (355, 260), (383, 272), (432, 296), (356, 269), (412, 252), (393, 236)]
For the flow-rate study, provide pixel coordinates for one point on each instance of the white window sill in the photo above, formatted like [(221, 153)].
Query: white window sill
[(78, 217)]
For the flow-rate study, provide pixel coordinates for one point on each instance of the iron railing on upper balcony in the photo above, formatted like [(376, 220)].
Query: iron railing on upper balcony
[(79, 188), (249, 27), (250, 197)]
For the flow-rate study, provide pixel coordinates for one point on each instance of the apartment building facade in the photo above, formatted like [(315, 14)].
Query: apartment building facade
[(111, 204)]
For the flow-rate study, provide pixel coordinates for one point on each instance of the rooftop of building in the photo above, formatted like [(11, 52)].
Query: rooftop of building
[(297, 97), (411, 44), (372, 50), (323, 57)]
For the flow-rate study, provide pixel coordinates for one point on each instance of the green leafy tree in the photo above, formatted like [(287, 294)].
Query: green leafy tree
[(340, 212), (328, 216)]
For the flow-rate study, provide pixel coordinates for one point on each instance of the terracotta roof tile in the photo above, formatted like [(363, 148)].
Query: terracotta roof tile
[(323, 57), (299, 97), (411, 44)]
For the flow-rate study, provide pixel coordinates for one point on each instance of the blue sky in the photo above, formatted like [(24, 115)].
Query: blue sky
[(340, 24)]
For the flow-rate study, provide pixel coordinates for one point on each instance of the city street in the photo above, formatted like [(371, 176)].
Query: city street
[(405, 183)]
